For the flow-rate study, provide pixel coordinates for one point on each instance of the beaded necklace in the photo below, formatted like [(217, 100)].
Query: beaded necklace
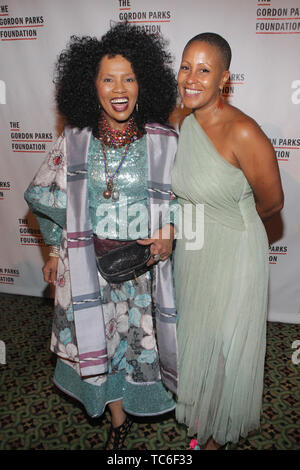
[(117, 138)]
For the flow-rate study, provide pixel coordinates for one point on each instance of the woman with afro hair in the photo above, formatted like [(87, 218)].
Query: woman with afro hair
[(107, 184)]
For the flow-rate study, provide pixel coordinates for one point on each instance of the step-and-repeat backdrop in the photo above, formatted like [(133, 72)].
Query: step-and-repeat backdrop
[(264, 83)]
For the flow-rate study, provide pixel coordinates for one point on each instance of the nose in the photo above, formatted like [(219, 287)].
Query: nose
[(191, 77), (119, 86)]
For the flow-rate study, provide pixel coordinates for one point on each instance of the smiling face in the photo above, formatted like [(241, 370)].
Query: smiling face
[(201, 76), (117, 90)]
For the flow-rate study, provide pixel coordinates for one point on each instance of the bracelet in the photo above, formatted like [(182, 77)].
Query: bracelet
[(54, 251)]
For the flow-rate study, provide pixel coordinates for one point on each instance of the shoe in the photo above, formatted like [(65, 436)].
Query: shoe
[(117, 435), (194, 445), (224, 447)]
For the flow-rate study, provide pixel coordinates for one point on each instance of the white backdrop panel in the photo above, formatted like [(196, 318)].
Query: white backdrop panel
[(264, 83)]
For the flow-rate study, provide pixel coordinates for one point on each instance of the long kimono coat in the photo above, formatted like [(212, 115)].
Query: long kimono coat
[(58, 195)]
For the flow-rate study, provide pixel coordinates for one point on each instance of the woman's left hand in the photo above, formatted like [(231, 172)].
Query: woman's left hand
[(161, 244)]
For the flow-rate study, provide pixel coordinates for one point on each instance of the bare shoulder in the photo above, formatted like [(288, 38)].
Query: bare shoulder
[(248, 142), (243, 128)]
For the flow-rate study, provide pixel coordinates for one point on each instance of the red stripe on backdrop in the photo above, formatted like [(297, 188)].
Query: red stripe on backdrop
[(28, 140), (296, 32), (282, 18), (19, 39), (22, 26)]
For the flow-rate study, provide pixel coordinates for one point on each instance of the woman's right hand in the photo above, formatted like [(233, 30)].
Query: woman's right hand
[(50, 270)]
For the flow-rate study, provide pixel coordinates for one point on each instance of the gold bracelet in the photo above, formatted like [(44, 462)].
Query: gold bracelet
[(54, 251)]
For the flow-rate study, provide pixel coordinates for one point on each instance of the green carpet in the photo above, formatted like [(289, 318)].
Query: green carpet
[(35, 415)]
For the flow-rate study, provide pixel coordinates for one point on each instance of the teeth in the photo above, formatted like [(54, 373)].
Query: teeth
[(192, 92), (119, 100)]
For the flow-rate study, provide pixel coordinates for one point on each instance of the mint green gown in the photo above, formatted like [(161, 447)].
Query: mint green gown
[(221, 294)]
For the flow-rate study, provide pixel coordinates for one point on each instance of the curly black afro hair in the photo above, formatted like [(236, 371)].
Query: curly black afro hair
[(78, 65)]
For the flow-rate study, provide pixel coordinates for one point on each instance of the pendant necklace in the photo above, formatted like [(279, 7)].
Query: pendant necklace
[(115, 139), (111, 191)]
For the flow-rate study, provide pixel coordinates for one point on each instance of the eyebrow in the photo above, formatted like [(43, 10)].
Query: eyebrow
[(199, 63), (112, 74)]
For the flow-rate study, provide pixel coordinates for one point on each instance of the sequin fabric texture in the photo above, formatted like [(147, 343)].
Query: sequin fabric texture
[(126, 219)]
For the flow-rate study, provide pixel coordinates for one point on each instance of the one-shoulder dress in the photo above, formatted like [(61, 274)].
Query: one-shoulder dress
[(221, 293)]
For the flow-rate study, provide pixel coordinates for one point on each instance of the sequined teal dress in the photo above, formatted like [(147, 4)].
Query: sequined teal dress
[(131, 344)]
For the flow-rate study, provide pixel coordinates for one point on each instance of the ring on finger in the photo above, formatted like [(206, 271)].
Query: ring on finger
[(156, 257)]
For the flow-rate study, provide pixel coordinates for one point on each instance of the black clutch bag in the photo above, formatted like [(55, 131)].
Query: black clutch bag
[(124, 263)]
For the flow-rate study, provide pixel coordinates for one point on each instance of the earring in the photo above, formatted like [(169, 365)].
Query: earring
[(220, 104), (137, 107)]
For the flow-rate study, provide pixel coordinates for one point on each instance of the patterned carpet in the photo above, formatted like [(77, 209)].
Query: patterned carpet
[(35, 415)]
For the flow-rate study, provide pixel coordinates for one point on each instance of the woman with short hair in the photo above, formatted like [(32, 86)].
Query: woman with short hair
[(227, 165)]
